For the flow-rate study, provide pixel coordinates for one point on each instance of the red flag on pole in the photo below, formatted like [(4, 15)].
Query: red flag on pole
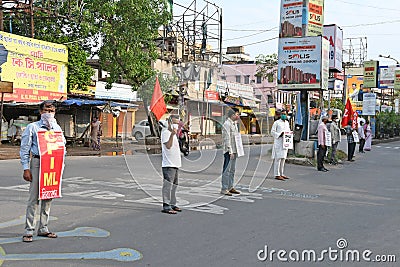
[(157, 105), (347, 114)]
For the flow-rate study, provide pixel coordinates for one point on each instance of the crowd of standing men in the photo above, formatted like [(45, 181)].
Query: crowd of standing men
[(171, 156), (361, 133)]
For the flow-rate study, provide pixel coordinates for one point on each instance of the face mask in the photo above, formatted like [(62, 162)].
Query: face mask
[(175, 126), (48, 119), (283, 117)]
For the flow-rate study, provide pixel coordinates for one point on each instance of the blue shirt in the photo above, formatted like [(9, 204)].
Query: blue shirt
[(29, 143)]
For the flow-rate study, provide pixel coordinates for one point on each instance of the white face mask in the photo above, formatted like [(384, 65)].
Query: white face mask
[(48, 119), (175, 126)]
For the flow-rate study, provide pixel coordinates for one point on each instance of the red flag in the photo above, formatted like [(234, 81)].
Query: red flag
[(157, 105), (347, 114)]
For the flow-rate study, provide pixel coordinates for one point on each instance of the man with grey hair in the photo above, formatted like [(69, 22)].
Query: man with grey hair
[(322, 130)]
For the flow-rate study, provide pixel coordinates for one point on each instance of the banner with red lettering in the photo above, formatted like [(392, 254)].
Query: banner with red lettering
[(51, 150)]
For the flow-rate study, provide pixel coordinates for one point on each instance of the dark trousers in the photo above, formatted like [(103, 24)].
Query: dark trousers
[(320, 157), (351, 147), (361, 146), (170, 184)]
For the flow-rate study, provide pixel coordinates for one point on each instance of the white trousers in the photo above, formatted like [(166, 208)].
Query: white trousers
[(279, 165)]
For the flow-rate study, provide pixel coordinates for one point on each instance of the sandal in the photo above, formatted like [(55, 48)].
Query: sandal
[(177, 209), (49, 235), (27, 238), (169, 211)]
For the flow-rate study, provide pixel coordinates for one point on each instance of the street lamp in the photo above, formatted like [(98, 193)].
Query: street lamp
[(389, 57)]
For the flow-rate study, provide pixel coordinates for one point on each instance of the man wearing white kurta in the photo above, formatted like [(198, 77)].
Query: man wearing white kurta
[(279, 153)]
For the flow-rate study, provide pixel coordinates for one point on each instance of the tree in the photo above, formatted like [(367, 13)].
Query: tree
[(267, 66), (126, 30), (67, 27)]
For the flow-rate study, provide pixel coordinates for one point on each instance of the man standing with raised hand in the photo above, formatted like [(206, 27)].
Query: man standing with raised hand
[(30, 160), (171, 162), (229, 133), (279, 152)]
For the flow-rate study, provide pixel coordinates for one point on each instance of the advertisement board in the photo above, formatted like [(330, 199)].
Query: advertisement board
[(301, 18), (371, 74), (386, 77), (212, 96), (117, 92), (354, 84), (37, 68), (397, 80), (334, 35), (299, 63), (325, 64), (291, 18), (315, 17), (369, 104)]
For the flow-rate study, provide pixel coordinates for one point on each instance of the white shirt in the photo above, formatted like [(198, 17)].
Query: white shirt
[(277, 129), (170, 157), (229, 131)]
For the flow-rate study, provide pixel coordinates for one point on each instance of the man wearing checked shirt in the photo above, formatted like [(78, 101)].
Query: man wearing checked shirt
[(30, 160)]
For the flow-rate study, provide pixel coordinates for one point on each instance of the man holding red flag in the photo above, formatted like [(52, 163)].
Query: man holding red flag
[(349, 121), (347, 114)]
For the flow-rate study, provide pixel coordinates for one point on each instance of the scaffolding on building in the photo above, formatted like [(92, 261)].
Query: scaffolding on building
[(194, 34), (355, 51), (26, 12)]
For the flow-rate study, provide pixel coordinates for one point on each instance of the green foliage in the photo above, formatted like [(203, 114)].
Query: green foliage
[(68, 28), (123, 31), (168, 84), (267, 66), (126, 30)]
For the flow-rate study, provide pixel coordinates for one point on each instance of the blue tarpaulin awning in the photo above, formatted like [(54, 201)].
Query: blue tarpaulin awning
[(81, 102), (89, 102)]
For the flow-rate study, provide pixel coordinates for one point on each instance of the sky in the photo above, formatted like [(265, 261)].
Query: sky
[(378, 21)]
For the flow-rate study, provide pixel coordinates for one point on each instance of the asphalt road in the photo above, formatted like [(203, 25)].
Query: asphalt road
[(109, 214)]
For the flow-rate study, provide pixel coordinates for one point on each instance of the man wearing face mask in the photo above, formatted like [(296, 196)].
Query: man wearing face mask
[(279, 152), (171, 162), (30, 160), (335, 131)]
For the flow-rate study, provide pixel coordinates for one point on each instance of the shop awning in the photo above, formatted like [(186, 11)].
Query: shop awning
[(89, 102), (82, 102)]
